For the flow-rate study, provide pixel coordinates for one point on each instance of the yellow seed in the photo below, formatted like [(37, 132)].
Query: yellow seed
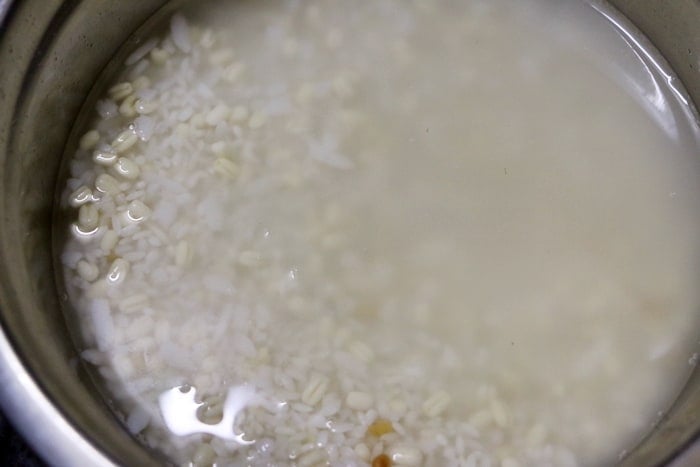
[(380, 427)]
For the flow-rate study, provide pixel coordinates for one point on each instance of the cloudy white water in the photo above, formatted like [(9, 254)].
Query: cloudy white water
[(444, 232)]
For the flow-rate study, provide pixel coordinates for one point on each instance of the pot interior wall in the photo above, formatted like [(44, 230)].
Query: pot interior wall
[(50, 54)]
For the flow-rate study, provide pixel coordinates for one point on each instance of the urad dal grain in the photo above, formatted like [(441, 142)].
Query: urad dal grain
[(385, 233)]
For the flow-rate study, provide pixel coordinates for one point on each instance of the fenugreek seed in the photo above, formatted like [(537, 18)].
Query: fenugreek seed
[(137, 211), (239, 114), (105, 157), (402, 454), (436, 404), (124, 141), (360, 401), (80, 196), (107, 184), (226, 167), (144, 106), (380, 427), (382, 460), (127, 109), (127, 168), (257, 120), (87, 271), (315, 390), (118, 271), (183, 254), (109, 240), (90, 139), (120, 91), (88, 217)]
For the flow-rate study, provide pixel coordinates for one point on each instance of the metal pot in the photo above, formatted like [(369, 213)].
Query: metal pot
[(51, 53)]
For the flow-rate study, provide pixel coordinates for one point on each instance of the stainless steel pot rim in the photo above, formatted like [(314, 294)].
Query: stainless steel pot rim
[(27, 406), (54, 435), (37, 418)]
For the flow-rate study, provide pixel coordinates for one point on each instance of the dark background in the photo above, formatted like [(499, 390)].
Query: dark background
[(13, 450)]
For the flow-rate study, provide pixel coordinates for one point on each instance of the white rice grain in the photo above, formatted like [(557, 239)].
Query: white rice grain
[(143, 50), (102, 324), (180, 33)]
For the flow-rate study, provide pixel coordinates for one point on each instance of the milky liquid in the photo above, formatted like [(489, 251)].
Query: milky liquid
[(492, 200)]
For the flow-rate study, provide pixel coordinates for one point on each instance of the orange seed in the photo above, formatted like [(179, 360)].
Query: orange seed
[(382, 460)]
